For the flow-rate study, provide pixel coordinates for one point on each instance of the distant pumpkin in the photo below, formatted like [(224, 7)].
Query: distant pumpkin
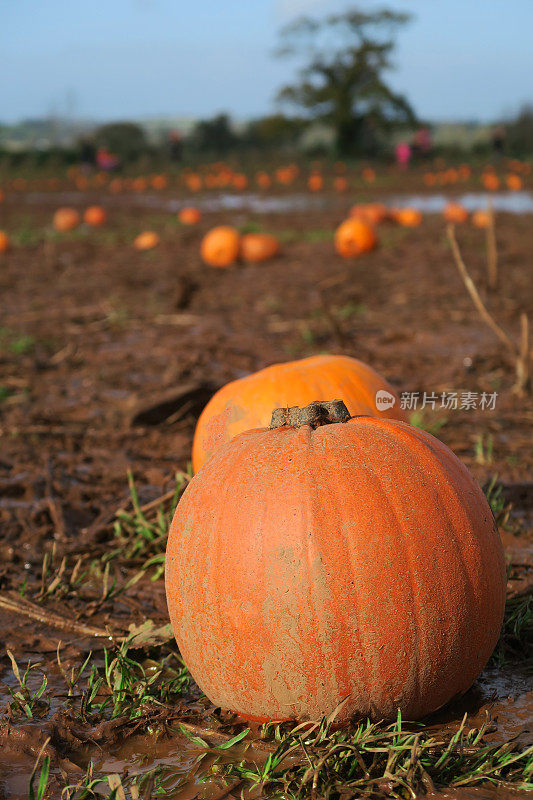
[(373, 213), (189, 215), (240, 182), (315, 182), (263, 180), (514, 183), (5, 244), (490, 181), (220, 246), (146, 240), (455, 212), (159, 182), (481, 219), (368, 175), (408, 217), (95, 216), (257, 247), (341, 184), (66, 219), (354, 237)]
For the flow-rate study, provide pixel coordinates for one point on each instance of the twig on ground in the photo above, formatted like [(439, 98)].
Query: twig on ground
[(520, 354)]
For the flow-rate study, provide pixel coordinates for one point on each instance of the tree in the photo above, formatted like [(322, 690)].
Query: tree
[(342, 81), (214, 135), (126, 139)]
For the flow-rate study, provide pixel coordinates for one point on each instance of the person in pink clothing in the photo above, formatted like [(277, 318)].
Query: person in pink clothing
[(403, 154)]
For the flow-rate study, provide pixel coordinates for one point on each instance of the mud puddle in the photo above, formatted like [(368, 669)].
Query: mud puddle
[(509, 202)]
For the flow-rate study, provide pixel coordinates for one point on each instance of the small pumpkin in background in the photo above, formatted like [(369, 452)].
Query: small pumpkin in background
[(66, 219), (248, 402), (341, 184), (240, 182), (481, 219), (263, 180), (159, 182), (220, 246), (5, 244), (490, 181), (95, 216), (373, 213), (146, 240), (455, 212), (194, 182), (315, 182), (408, 217), (368, 175), (257, 247), (354, 237), (189, 215), (514, 183), (139, 184), (330, 559)]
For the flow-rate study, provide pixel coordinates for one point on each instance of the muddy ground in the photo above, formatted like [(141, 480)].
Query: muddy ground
[(108, 354)]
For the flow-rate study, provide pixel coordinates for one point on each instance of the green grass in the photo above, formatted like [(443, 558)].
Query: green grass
[(16, 344)]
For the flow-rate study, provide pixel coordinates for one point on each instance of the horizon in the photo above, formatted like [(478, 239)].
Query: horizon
[(147, 59)]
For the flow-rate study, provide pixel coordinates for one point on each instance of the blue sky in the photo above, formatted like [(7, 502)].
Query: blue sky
[(459, 59)]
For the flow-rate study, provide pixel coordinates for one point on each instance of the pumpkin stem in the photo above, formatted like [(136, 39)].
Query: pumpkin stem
[(315, 414)]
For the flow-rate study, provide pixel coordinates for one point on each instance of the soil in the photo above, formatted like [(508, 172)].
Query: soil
[(107, 356)]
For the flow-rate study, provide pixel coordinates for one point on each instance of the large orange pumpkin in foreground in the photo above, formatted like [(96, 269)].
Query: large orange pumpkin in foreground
[(248, 402), (220, 246), (324, 561), (256, 247), (66, 219), (353, 237)]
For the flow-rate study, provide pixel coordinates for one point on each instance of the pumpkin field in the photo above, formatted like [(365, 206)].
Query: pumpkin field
[(336, 581)]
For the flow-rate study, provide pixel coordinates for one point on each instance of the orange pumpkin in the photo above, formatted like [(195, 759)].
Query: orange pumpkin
[(220, 246), (514, 183), (95, 216), (256, 247), (368, 175), (5, 244), (408, 217), (116, 185), (430, 179), (263, 180), (455, 212), (146, 240), (373, 213), (240, 182), (248, 402), (354, 237), (341, 184), (139, 184), (189, 215), (194, 182), (481, 219), (315, 182), (159, 182), (66, 219), (491, 182), (330, 559)]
